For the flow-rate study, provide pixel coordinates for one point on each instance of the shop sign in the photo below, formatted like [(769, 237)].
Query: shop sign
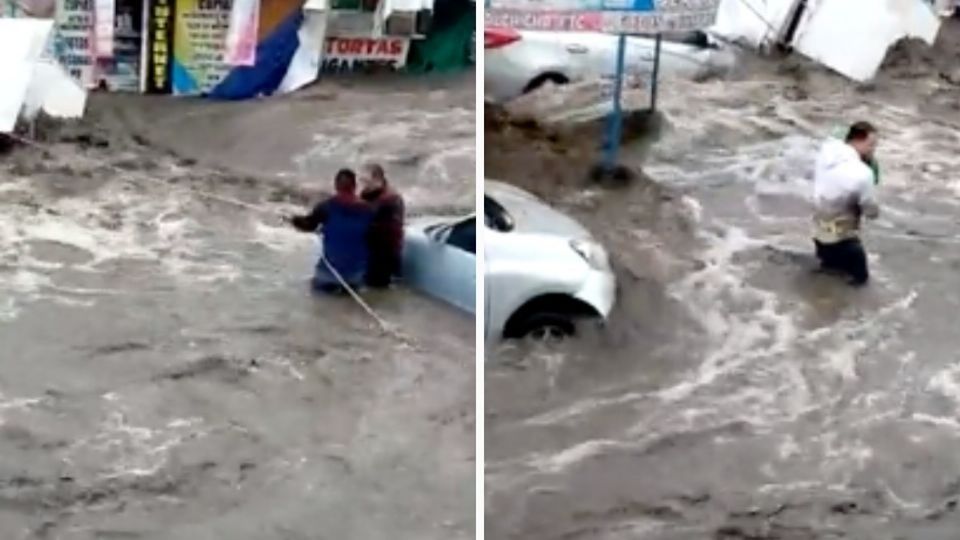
[(548, 21), (159, 47), (610, 16), (346, 54)]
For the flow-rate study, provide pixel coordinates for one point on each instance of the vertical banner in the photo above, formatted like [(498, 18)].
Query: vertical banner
[(305, 64), (199, 39), (159, 47), (242, 34), (104, 22)]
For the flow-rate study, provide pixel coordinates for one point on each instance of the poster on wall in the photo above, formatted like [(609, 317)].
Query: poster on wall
[(104, 13), (242, 33), (73, 43), (199, 45), (159, 54), (348, 54)]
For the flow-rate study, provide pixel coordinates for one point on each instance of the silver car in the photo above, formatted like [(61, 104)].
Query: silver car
[(517, 62), (543, 271), (440, 259)]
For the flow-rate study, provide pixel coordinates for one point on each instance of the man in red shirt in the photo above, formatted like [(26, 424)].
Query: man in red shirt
[(385, 239)]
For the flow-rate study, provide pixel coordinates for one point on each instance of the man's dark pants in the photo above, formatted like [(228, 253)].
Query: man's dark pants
[(383, 264), (846, 256)]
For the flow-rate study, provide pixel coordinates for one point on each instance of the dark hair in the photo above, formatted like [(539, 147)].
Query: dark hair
[(376, 171), (346, 180), (860, 131)]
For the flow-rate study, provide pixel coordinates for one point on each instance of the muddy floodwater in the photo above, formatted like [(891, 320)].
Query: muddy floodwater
[(164, 372), (735, 394)]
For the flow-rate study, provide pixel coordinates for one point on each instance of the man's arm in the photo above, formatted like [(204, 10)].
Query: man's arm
[(869, 206), (389, 211), (310, 222)]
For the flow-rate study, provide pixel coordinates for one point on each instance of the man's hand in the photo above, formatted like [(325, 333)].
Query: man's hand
[(298, 223), (871, 162)]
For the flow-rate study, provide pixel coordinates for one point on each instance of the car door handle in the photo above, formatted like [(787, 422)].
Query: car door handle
[(576, 48)]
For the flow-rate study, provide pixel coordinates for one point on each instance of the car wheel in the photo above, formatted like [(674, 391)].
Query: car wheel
[(546, 326), (541, 80)]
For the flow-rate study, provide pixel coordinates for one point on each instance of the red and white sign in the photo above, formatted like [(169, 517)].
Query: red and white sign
[(551, 21), (668, 16), (392, 50)]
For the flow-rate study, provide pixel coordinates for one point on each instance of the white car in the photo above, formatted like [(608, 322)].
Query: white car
[(543, 271), (517, 62), (440, 259)]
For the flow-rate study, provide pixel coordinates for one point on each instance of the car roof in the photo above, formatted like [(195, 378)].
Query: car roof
[(497, 188)]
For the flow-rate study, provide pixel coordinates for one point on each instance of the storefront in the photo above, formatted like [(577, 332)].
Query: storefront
[(188, 52), (106, 56), (232, 49)]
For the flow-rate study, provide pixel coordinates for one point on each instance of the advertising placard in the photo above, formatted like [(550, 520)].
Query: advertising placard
[(104, 13), (242, 33), (200, 44), (74, 39), (159, 78), (610, 16), (345, 54), (549, 21), (628, 22)]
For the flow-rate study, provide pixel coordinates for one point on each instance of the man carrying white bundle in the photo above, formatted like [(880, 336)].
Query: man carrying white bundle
[(843, 193)]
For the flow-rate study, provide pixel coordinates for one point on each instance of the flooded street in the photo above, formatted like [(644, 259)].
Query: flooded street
[(165, 372), (735, 393)]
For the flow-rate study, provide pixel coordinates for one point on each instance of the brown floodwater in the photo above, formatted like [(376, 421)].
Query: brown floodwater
[(165, 372), (735, 394)]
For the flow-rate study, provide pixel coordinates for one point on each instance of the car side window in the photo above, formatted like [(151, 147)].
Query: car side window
[(463, 236), (495, 216)]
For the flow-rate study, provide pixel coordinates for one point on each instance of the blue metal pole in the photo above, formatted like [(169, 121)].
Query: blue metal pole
[(615, 123), (656, 73)]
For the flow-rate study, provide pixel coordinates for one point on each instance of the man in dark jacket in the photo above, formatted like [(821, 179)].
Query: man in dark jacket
[(386, 233), (346, 222)]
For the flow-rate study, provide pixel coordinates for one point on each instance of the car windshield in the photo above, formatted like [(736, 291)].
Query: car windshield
[(463, 236), (495, 216)]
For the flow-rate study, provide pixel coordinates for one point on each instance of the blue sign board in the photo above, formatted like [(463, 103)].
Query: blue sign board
[(626, 5)]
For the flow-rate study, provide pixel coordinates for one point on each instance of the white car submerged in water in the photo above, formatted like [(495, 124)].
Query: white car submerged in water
[(543, 271), (517, 62)]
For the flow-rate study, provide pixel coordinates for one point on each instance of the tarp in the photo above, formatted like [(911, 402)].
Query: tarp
[(305, 63), (851, 37), (274, 55), (31, 80), (754, 23), (54, 91)]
